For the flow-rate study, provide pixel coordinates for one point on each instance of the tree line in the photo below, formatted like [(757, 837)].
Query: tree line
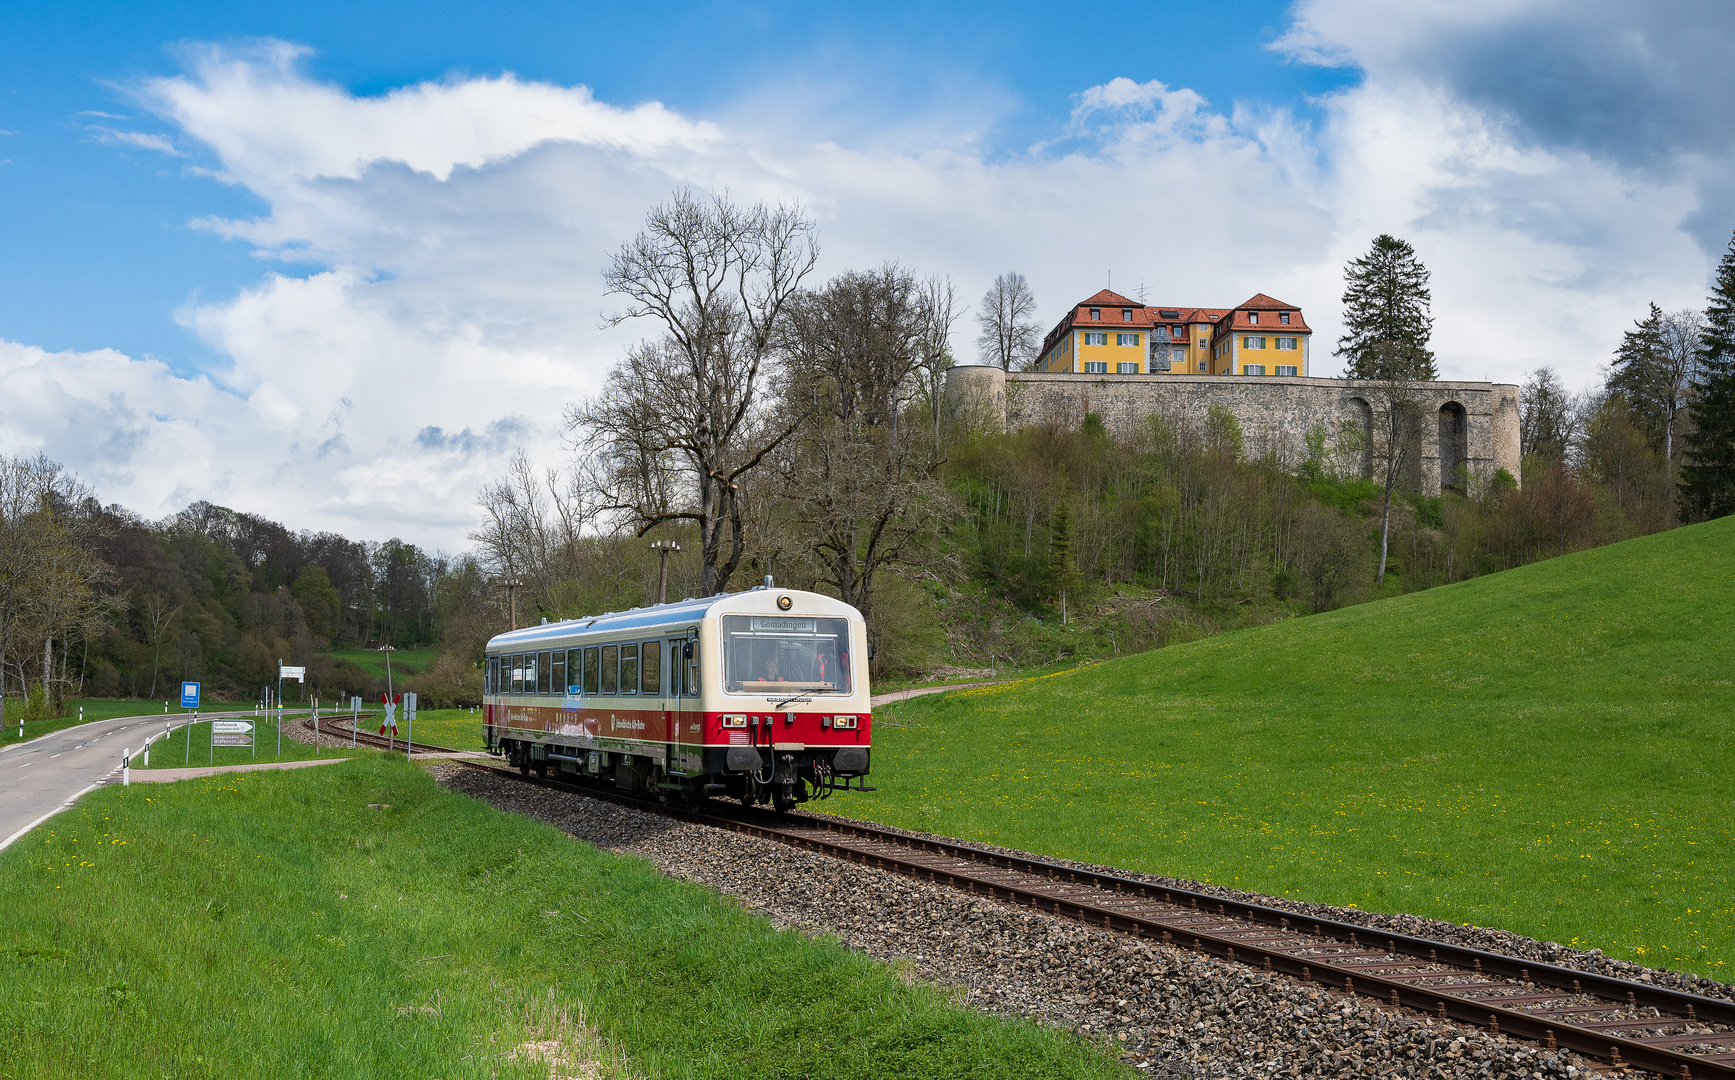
[(98, 602)]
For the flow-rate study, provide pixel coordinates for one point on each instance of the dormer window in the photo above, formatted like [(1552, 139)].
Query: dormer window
[(1096, 314), (1283, 317), (1126, 314), (1253, 317)]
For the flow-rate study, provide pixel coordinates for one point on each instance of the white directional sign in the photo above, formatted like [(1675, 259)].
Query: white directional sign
[(232, 727), (299, 674)]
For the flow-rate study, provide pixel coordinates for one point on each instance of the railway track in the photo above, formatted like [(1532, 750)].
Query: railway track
[(1618, 1021)]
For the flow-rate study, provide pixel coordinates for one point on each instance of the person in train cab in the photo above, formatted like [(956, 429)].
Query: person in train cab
[(771, 671)]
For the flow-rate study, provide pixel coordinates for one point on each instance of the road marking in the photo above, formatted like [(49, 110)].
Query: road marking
[(51, 757), (27, 764), (10, 840)]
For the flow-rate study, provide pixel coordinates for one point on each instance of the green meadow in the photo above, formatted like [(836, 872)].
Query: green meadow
[(1549, 750), (357, 920), (404, 661)]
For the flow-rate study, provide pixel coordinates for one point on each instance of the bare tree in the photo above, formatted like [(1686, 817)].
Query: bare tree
[(1397, 426), (860, 482), (679, 422), (534, 526), (942, 310), (1548, 417), (1010, 332)]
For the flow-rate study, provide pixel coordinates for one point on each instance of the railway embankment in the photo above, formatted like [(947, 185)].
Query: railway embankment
[(1165, 1009)]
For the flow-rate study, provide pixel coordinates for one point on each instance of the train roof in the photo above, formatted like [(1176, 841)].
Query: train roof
[(757, 600)]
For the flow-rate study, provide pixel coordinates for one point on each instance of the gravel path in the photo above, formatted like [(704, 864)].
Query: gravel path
[(1165, 1010)]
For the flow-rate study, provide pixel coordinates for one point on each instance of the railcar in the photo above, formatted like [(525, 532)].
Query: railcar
[(760, 696)]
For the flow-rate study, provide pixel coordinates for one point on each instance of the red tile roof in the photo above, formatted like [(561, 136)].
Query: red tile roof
[(1223, 320)]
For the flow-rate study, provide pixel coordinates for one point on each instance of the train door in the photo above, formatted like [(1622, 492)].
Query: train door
[(678, 714)]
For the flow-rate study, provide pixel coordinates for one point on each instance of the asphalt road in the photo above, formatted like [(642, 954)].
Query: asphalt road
[(43, 776)]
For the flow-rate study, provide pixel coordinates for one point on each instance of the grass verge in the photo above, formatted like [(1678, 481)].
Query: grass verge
[(405, 662), (1546, 750), (190, 747), (273, 924)]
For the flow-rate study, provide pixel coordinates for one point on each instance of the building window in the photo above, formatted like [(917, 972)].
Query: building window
[(1201, 343), (1127, 367), (1096, 314), (1178, 357), (1285, 343), (1126, 340), (1096, 367), (1168, 314), (1202, 367), (1252, 369), (1253, 343), (1253, 317), (1126, 314), (1096, 339), (1286, 369), (1283, 317)]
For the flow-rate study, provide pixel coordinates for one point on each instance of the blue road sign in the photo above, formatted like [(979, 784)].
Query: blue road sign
[(189, 695)]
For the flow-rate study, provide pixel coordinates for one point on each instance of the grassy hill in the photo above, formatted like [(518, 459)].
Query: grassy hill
[(1550, 750), (404, 661)]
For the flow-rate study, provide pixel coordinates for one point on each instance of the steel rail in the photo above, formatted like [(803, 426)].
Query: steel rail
[(1255, 934)]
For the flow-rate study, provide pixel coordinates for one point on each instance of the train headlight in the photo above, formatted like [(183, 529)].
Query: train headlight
[(784, 603), (738, 720), (844, 723)]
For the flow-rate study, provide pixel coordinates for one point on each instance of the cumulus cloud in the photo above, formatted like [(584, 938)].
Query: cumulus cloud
[(432, 294)]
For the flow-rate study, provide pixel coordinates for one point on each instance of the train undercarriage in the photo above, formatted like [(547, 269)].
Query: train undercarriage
[(754, 776)]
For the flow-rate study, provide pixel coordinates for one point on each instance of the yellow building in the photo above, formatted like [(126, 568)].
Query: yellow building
[(1109, 334)]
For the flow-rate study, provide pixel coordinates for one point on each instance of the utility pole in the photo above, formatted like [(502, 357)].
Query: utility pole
[(663, 548), (511, 601)]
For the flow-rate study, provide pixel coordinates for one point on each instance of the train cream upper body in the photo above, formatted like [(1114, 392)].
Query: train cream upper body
[(723, 628)]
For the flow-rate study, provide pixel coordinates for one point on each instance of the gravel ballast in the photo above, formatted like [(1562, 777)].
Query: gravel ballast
[(1165, 1010)]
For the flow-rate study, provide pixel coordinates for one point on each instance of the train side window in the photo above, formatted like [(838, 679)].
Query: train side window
[(591, 670), (574, 670), (544, 664), (651, 667), (630, 668), (488, 675), (529, 673), (692, 669), (557, 673), (610, 658), (517, 673)]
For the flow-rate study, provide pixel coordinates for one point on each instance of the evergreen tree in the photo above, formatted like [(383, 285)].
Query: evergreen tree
[(1708, 477), (1386, 314)]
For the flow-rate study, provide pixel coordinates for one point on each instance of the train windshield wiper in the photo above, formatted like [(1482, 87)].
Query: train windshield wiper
[(804, 699)]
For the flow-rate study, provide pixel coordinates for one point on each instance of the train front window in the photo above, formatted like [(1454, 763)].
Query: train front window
[(774, 654)]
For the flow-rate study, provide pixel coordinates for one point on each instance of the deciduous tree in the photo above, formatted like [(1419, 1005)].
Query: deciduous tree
[(680, 422), (1010, 332)]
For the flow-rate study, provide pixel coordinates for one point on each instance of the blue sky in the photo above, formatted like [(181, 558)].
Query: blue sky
[(102, 256), (337, 264)]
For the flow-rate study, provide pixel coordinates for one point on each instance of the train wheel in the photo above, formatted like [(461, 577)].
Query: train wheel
[(542, 770), (782, 803)]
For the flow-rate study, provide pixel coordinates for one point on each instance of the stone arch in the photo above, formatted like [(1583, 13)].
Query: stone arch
[(1454, 446)]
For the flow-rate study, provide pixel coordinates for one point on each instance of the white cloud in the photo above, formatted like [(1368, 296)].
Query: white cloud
[(138, 140), (452, 236)]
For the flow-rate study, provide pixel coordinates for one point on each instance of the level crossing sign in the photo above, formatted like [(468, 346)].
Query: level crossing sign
[(390, 719), (189, 695)]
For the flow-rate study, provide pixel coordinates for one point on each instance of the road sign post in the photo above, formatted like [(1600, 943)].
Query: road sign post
[(409, 722), (354, 717)]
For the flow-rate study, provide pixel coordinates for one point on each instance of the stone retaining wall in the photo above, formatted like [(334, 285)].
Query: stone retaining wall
[(1471, 425)]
